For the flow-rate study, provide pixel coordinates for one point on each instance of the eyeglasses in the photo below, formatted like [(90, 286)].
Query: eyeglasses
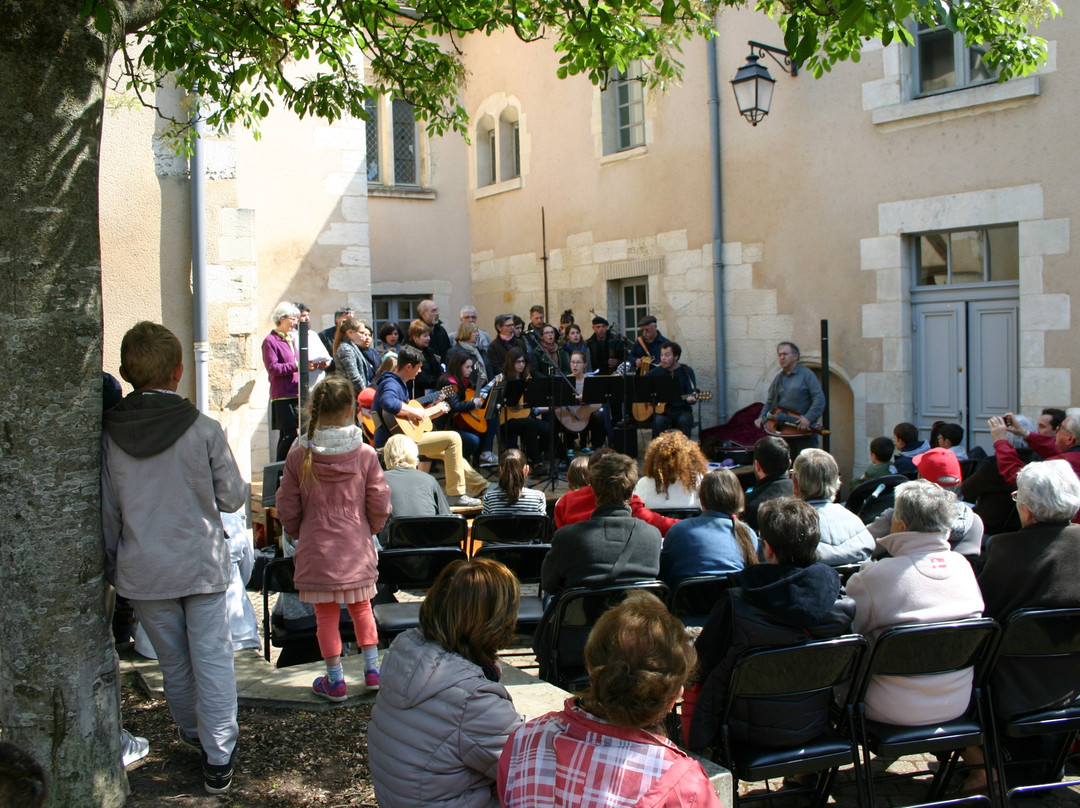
[(1013, 495)]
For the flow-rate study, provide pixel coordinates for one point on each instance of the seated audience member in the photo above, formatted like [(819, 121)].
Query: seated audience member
[(991, 493), (577, 474), (951, 437), (441, 717), (22, 780), (1064, 444), (511, 496), (844, 538), (412, 492), (1049, 421), (906, 438), (881, 465), (672, 472), (941, 467), (609, 747), (1038, 566), (788, 600), (611, 546), (772, 461), (715, 542), (923, 581), (578, 504)]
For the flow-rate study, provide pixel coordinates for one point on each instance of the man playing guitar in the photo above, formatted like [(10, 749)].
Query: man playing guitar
[(678, 415), (797, 391), (392, 401)]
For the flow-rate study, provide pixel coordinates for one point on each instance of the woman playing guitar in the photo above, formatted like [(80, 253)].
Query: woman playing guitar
[(473, 439), (518, 419), (575, 419)]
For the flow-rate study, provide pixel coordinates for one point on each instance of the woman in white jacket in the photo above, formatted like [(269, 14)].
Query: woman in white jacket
[(441, 718), (924, 581)]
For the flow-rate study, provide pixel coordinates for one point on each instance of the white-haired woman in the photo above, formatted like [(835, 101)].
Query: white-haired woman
[(412, 492), (280, 357)]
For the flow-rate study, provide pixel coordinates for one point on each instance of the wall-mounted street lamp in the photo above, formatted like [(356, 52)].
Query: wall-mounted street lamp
[(753, 85)]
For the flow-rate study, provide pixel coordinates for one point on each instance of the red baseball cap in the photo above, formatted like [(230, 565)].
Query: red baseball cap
[(939, 466)]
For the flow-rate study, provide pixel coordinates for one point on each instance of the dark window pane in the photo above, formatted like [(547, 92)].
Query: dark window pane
[(372, 131), (937, 65), (404, 143)]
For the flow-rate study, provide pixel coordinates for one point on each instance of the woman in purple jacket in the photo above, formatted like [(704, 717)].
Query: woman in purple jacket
[(280, 357)]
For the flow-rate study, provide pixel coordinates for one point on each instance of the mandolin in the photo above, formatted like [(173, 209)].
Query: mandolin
[(785, 424), (399, 424)]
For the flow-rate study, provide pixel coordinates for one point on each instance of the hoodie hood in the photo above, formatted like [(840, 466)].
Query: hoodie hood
[(148, 422), (418, 670), (800, 596), (927, 552)]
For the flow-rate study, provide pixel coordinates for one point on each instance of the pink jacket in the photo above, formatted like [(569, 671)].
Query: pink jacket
[(334, 518), (572, 759)]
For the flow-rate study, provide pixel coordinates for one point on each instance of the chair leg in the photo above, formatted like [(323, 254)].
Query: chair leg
[(940, 780), (823, 787)]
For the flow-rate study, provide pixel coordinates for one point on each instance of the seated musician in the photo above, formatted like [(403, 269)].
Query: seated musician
[(392, 406), (587, 423), (518, 419), (797, 391), (678, 415), (477, 436)]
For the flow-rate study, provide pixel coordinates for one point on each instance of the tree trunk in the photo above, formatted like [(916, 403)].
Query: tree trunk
[(58, 675)]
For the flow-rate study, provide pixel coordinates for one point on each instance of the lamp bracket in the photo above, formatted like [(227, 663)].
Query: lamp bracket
[(788, 65)]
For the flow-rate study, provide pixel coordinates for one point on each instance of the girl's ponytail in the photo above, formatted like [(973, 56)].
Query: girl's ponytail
[(512, 474)]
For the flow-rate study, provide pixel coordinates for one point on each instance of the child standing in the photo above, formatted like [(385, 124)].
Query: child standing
[(167, 472), (332, 498)]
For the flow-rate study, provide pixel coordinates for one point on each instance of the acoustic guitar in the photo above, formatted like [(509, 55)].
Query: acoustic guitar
[(700, 395), (476, 420), (576, 418), (785, 424), (399, 424), (642, 411)]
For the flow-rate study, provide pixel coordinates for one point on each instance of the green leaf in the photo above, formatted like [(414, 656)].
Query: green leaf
[(103, 21)]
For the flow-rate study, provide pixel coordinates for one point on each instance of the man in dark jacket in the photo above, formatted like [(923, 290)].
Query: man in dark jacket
[(611, 546), (772, 460), (428, 311), (786, 601)]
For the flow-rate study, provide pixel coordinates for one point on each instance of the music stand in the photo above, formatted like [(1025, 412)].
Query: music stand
[(551, 392), (608, 391), (496, 400)]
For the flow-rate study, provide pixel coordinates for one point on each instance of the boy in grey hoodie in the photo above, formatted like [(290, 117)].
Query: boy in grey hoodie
[(167, 472)]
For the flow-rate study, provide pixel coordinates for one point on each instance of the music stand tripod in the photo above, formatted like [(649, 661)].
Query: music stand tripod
[(654, 390), (551, 392)]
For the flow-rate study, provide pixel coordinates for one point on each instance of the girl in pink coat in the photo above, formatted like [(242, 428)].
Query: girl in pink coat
[(332, 498)]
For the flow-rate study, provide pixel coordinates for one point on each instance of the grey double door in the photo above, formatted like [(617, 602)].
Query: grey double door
[(967, 364)]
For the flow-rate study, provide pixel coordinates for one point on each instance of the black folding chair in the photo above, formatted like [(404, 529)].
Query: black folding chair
[(678, 513), (299, 643), (925, 649), (408, 568), (814, 669), (516, 529), (692, 599), (576, 612), (444, 530), (525, 561), (869, 499), (1038, 662)]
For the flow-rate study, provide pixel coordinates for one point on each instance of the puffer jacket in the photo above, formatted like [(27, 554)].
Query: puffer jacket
[(923, 582), (776, 605), (437, 728), (844, 537)]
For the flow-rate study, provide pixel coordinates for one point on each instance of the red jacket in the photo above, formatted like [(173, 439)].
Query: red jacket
[(1009, 462), (577, 506)]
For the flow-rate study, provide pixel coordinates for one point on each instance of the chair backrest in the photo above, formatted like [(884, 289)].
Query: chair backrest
[(678, 513), (694, 597), (415, 567), (524, 560), (1038, 661), (868, 500), (516, 529), (922, 649), (278, 576), (576, 612), (271, 479), (817, 666), (444, 530)]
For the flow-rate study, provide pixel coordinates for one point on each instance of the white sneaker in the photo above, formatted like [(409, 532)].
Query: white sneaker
[(488, 459), (132, 747), (464, 501)]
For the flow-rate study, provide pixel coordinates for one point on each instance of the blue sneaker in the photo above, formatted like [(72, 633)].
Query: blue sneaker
[(331, 691)]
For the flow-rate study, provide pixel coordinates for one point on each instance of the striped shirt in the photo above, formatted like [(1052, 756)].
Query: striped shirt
[(496, 502)]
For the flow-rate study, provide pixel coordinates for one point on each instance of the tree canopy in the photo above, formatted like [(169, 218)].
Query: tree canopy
[(236, 54)]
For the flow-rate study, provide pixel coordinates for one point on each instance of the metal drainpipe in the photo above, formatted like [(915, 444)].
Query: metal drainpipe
[(718, 226), (201, 329)]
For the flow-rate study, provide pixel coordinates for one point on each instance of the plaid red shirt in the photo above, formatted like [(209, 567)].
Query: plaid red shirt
[(573, 759)]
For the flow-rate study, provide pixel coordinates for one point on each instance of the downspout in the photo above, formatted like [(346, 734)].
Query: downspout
[(717, 227), (201, 328)]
